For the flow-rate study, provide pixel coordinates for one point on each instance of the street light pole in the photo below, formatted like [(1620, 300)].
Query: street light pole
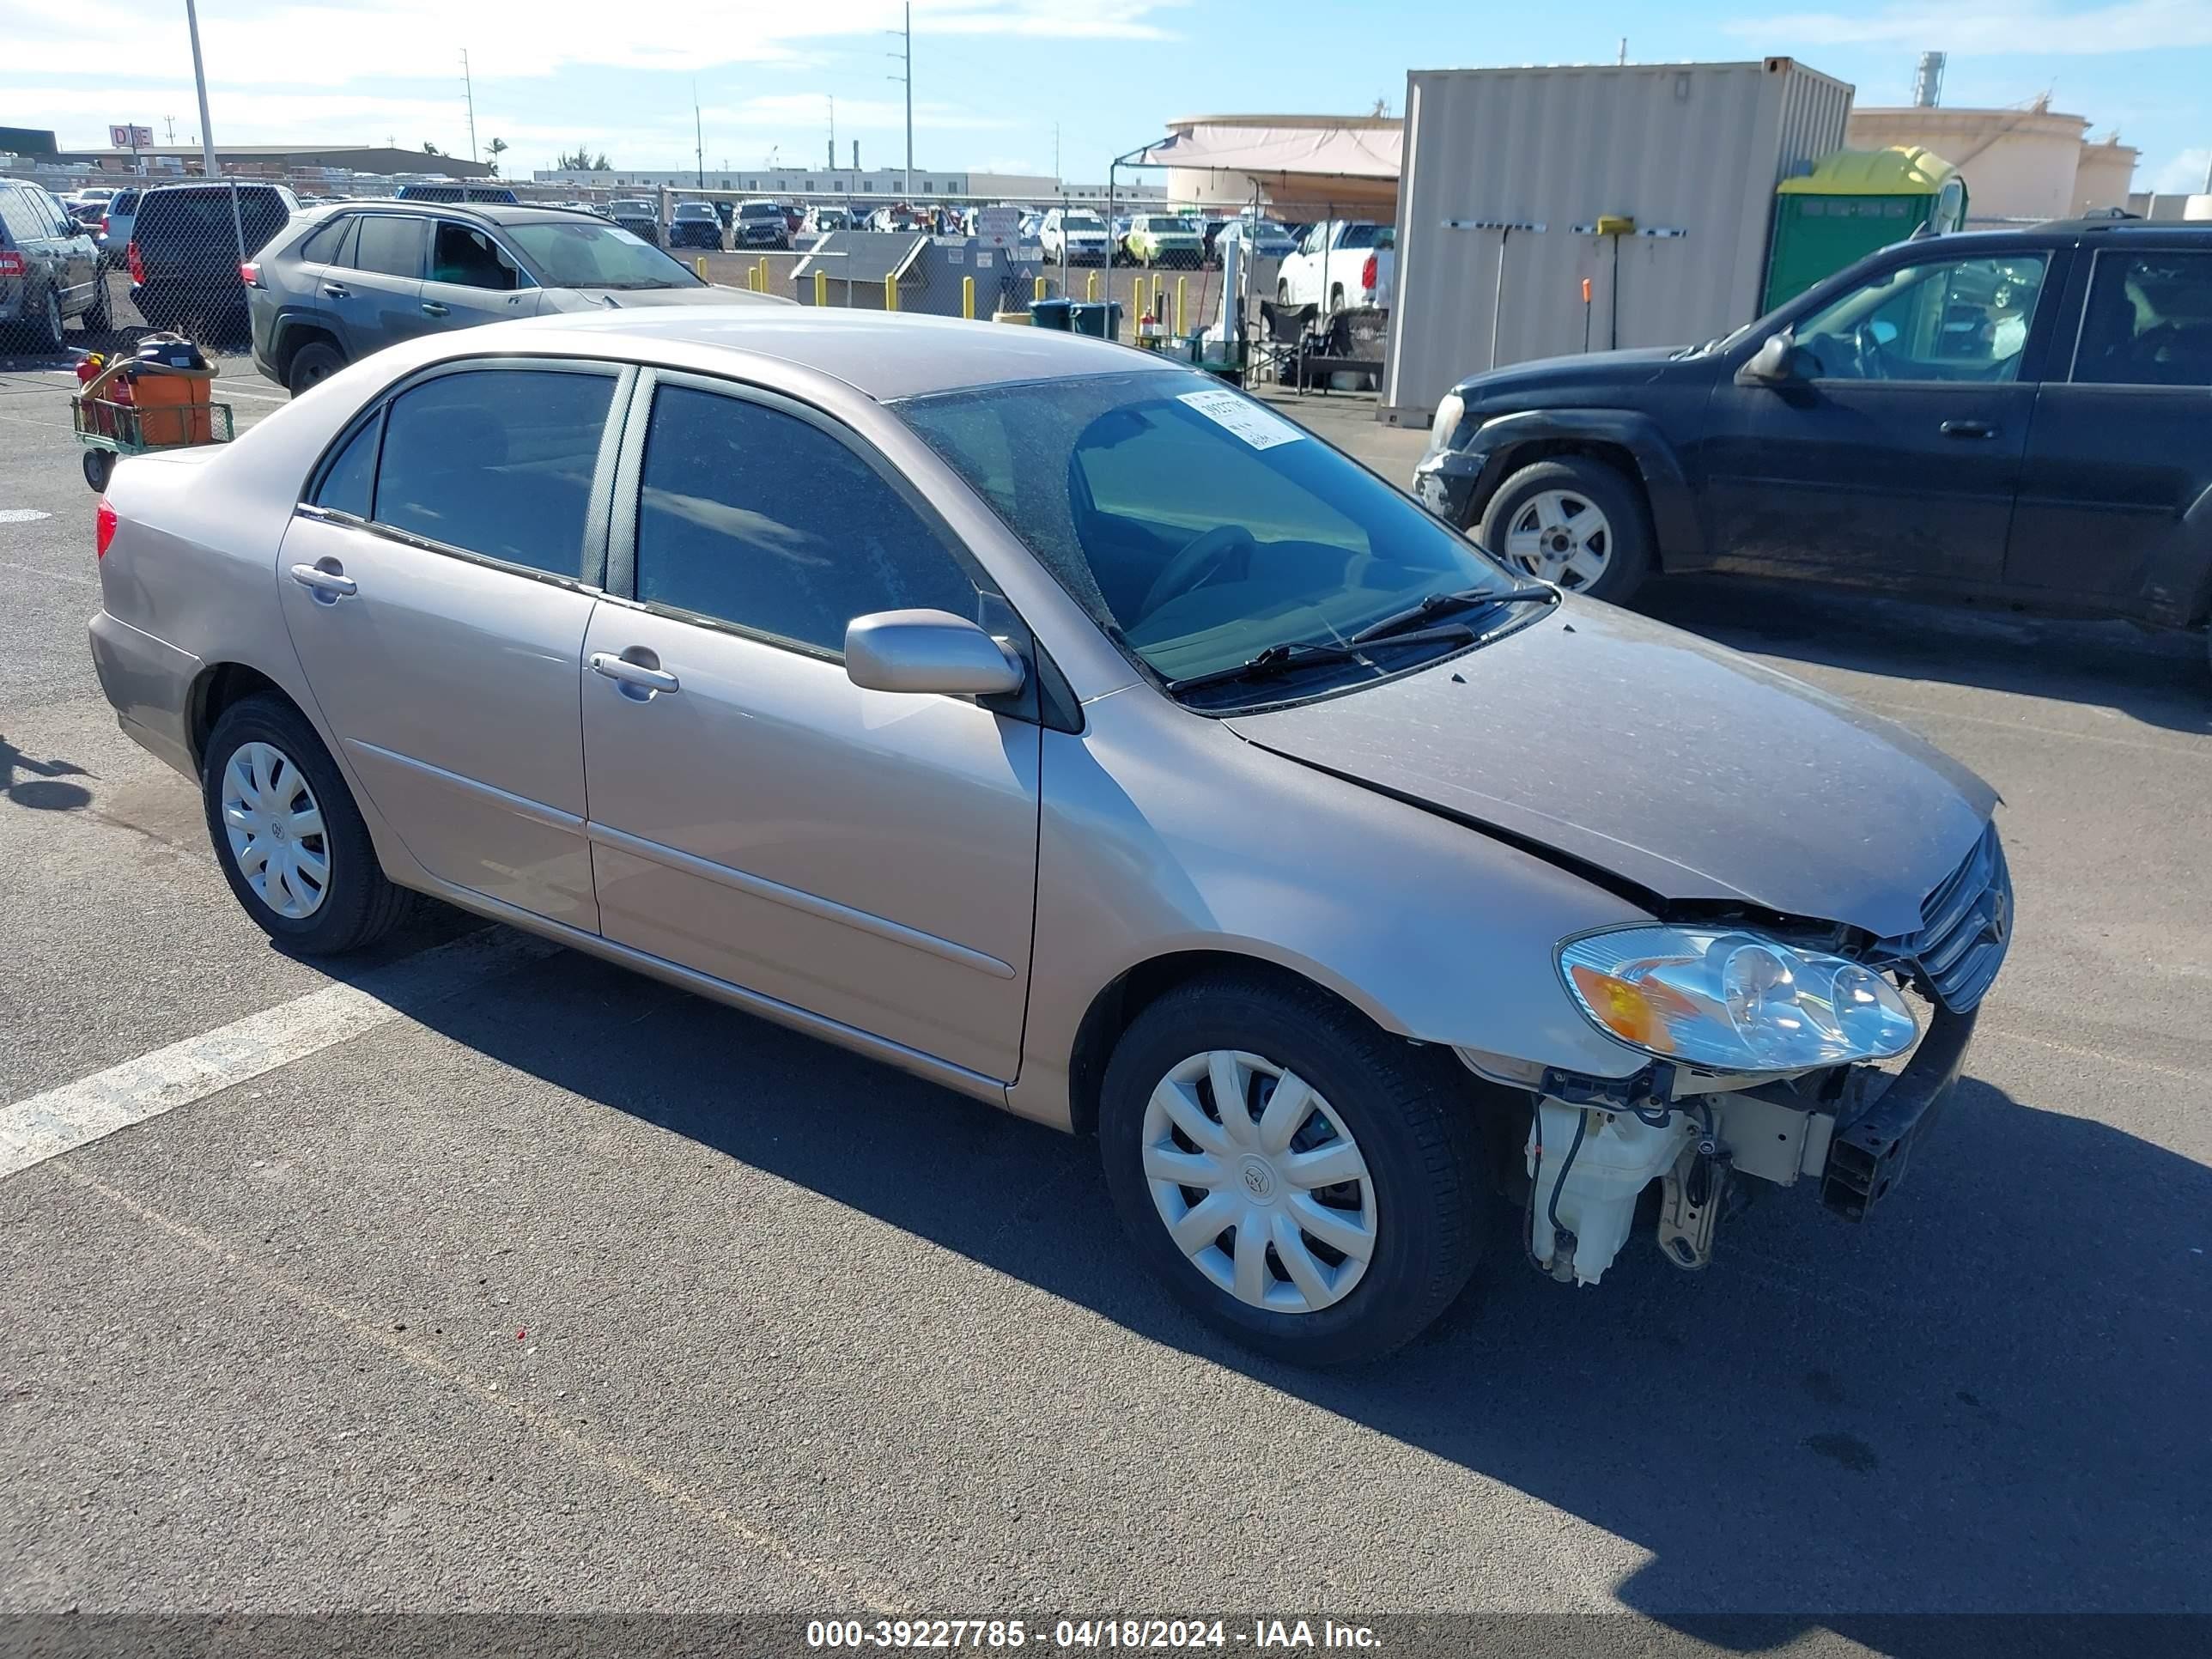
[(909, 100), (207, 163)]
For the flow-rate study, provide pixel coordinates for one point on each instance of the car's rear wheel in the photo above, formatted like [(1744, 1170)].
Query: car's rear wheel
[(98, 317), (311, 365), (1297, 1177), (291, 843), (1573, 521)]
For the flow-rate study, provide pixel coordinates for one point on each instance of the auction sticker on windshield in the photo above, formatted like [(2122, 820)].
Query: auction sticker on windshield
[(1260, 428)]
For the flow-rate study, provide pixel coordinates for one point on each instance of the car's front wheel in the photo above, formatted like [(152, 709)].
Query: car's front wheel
[(290, 841), (1299, 1178), (1574, 521)]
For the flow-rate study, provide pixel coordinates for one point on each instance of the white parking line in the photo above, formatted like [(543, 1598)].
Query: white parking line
[(62, 1119)]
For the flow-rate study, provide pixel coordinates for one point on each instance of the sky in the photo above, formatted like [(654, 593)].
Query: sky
[(1010, 86)]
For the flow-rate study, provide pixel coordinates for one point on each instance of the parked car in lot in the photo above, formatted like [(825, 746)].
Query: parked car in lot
[(640, 217), (887, 677), (1076, 236), (1265, 238), (112, 237), (694, 225), (188, 243), (1340, 264), (2020, 418), (760, 224), (351, 280), (821, 221), (1164, 239), (49, 270)]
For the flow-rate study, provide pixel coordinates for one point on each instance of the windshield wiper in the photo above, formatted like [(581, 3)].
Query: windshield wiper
[(1293, 653), (1466, 598)]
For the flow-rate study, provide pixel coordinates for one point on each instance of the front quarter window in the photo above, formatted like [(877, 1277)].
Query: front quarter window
[(1198, 526)]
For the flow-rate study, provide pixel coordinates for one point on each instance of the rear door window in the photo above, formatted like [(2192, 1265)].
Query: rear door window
[(390, 244), (349, 483), (2148, 320), (497, 462)]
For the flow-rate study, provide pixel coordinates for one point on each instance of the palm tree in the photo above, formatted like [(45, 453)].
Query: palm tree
[(498, 147)]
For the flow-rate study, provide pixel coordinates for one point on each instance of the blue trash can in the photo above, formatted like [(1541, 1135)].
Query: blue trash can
[(1050, 313)]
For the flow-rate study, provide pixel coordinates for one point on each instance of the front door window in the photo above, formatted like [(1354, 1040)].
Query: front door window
[(1941, 320)]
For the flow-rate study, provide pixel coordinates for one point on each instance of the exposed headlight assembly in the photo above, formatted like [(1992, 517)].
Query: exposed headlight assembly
[(1733, 1001)]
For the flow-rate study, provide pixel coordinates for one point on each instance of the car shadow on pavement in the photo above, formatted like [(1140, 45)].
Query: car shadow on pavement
[(1988, 1398), (2161, 678)]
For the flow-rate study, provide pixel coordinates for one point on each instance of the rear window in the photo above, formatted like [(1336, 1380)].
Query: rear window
[(123, 200), (200, 216), (497, 462), (18, 219)]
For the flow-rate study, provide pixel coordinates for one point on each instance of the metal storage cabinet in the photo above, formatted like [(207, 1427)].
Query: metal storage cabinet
[(1691, 152)]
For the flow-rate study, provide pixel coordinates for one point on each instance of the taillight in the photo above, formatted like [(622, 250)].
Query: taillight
[(12, 263), (138, 268), (103, 529), (250, 273), (1367, 273), (103, 224)]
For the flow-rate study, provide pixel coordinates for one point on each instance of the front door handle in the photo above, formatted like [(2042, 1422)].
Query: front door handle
[(432, 308), (333, 291), (327, 585), (636, 678), (1967, 429)]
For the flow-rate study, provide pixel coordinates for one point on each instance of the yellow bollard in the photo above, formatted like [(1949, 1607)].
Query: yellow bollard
[(1180, 282), (699, 266), (821, 288), (1091, 286), (968, 298), (763, 273), (1137, 301), (1040, 294), (891, 294)]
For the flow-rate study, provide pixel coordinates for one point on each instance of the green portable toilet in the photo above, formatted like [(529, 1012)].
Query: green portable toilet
[(1852, 203)]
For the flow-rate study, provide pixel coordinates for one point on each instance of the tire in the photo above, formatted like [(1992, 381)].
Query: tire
[(1335, 300), (354, 904), (1282, 293), (1418, 1204), (311, 365), (1534, 509), (98, 316), (98, 467)]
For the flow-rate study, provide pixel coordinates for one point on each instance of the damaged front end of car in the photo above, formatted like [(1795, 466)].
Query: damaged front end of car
[(1777, 1054)]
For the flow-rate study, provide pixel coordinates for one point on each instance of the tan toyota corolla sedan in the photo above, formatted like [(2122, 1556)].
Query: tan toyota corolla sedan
[(1066, 727)]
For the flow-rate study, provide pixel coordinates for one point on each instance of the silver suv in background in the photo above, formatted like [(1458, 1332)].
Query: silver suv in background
[(349, 280), (49, 270)]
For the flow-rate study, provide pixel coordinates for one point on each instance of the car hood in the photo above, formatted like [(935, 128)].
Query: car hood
[(1684, 768), (1630, 365)]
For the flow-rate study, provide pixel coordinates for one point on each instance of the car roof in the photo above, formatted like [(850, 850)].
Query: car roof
[(882, 355), (494, 213)]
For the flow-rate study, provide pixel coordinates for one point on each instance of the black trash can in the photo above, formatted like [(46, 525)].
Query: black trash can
[(1050, 313), (1101, 319)]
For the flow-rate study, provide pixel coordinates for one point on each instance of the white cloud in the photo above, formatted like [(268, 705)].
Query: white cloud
[(1996, 26), (2184, 175)]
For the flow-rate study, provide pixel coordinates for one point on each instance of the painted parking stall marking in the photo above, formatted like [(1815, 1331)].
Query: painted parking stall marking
[(77, 1114)]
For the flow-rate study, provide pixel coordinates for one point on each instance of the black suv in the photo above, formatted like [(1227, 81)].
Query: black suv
[(188, 247), (2019, 417)]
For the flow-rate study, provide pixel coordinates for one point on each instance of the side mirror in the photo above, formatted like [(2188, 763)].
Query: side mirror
[(1772, 363), (928, 651)]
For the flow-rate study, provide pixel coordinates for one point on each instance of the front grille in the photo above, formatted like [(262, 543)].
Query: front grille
[(1965, 926)]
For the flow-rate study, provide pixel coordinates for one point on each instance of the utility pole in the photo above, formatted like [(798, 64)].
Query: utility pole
[(207, 163), (469, 86), (698, 138), (907, 80), (833, 131), (170, 122), (1623, 57), (1055, 155)]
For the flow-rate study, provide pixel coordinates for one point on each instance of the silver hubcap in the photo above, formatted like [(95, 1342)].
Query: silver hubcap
[(275, 831), (1258, 1182), (53, 318), (1560, 536)]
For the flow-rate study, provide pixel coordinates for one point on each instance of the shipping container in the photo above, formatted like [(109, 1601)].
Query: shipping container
[(1647, 188)]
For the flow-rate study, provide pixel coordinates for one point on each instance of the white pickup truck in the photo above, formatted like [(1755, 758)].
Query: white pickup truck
[(1344, 262)]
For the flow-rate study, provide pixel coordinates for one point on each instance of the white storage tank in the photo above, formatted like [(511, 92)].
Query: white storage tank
[(1511, 174)]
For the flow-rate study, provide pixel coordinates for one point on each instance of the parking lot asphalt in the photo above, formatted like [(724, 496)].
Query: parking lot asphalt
[(561, 1290)]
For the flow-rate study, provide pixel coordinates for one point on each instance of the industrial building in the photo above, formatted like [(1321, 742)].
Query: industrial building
[(827, 183), (276, 161), (2030, 162)]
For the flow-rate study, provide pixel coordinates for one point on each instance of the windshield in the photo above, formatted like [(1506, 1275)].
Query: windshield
[(1197, 526), (1082, 221), (694, 211), (568, 254), (760, 210)]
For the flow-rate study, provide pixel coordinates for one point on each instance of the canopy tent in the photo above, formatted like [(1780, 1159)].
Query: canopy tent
[(1307, 169)]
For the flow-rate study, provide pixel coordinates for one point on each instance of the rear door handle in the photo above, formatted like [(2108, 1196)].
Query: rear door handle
[(432, 308), (1967, 429), (328, 585), (633, 675), (333, 291)]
